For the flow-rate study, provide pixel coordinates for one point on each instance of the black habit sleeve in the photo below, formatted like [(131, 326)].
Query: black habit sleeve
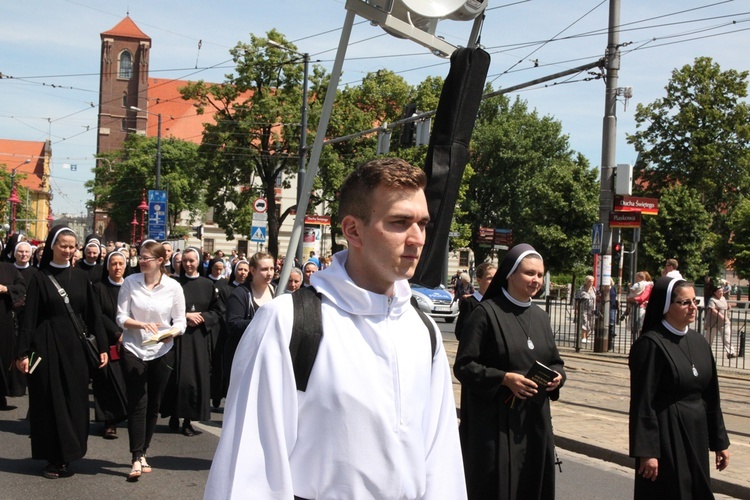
[(647, 364), (478, 356)]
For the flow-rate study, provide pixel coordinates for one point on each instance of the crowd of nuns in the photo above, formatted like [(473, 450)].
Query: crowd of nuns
[(66, 293)]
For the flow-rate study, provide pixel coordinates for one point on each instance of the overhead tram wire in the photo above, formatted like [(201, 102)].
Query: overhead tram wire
[(553, 38)]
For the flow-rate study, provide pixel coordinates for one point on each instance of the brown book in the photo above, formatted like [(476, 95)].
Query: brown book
[(541, 375)]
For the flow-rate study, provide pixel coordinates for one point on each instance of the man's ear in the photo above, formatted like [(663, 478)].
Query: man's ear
[(350, 227)]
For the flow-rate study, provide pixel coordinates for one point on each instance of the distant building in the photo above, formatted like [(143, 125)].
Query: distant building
[(30, 160)]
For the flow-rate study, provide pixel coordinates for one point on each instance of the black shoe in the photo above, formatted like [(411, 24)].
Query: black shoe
[(174, 424), (110, 431), (216, 402), (187, 430)]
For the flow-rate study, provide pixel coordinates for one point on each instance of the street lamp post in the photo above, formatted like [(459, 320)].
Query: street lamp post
[(158, 143), (301, 171)]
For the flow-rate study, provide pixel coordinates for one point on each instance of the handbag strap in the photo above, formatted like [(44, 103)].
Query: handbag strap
[(66, 300)]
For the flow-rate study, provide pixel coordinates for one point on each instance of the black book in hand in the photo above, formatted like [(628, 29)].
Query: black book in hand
[(541, 375)]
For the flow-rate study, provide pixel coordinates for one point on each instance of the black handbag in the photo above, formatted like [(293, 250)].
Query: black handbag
[(90, 345)]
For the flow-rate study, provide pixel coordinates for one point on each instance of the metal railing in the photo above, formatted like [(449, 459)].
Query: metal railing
[(566, 318)]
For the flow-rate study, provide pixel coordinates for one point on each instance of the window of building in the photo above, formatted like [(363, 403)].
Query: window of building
[(126, 65), (463, 258), (124, 124), (208, 245), (124, 99)]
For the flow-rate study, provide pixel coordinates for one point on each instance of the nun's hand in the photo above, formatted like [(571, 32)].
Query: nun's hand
[(103, 359), (722, 459), (555, 383), (520, 386), (649, 468)]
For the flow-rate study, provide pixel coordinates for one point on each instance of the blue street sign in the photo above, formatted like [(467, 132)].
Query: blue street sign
[(596, 238), (157, 214), (258, 234)]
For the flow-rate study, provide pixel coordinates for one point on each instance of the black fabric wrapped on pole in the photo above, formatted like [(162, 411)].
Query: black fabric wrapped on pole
[(448, 154)]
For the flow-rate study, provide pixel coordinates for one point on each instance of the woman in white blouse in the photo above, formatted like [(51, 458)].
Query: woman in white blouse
[(149, 303)]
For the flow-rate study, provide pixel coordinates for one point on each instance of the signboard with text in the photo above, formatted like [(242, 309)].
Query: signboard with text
[(157, 214), (624, 219), (646, 206)]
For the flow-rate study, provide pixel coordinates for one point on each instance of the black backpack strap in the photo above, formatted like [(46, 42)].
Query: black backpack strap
[(306, 334), (427, 323)]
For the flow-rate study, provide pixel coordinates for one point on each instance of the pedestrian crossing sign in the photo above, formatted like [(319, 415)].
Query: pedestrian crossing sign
[(258, 234)]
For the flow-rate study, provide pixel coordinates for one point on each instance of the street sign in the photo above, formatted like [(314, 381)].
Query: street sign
[(258, 234), (503, 238), (260, 218), (624, 219), (157, 214), (596, 238), (647, 206), (260, 205), (321, 220)]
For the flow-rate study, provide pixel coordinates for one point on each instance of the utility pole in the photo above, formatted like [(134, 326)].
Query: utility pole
[(606, 194)]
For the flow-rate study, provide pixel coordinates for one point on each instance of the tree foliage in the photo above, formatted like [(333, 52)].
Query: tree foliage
[(255, 135), (21, 208), (528, 180), (680, 231), (740, 227), (698, 136), (121, 176)]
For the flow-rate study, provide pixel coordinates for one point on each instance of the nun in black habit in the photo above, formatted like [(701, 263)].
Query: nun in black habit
[(12, 291), (58, 388), (21, 258), (188, 393), (92, 251), (506, 436), (675, 408), (219, 336), (110, 393)]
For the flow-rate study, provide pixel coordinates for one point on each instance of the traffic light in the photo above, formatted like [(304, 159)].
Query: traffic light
[(616, 251), (409, 129), (198, 231)]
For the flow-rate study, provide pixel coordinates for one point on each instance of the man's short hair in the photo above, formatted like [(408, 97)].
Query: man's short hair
[(671, 263), (393, 173)]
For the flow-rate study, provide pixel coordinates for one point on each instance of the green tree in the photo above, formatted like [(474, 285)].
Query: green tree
[(698, 136), (529, 180), (740, 226), (680, 231), (252, 146), (23, 194), (121, 177)]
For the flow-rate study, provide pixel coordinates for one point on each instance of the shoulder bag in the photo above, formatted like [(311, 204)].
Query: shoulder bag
[(90, 346)]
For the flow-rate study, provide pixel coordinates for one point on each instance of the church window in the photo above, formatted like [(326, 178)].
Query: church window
[(126, 65)]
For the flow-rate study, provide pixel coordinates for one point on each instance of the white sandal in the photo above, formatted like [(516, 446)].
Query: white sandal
[(135, 472), (145, 467)]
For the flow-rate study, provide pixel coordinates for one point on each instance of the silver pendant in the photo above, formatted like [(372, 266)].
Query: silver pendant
[(695, 372), (531, 346)]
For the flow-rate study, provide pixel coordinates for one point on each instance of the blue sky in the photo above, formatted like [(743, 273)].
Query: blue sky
[(51, 48)]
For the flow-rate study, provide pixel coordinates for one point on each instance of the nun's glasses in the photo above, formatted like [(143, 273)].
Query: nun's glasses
[(687, 302)]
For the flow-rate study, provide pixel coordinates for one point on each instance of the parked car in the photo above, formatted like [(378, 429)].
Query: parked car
[(435, 302)]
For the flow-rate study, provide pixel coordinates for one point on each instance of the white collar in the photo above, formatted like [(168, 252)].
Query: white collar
[(674, 330), (515, 301), (21, 267), (114, 282), (60, 266)]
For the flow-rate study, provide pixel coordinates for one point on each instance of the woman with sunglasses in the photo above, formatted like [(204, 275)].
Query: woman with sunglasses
[(675, 408)]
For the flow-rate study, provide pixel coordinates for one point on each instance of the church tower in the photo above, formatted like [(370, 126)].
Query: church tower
[(123, 82)]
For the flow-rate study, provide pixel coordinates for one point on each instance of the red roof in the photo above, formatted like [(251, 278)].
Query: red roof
[(127, 29), (178, 116), (13, 155)]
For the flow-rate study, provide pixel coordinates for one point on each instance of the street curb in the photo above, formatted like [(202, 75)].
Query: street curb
[(598, 452)]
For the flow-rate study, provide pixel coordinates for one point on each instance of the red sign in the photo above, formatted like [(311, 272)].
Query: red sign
[(486, 236), (260, 205), (624, 219), (647, 206), (322, 220)]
